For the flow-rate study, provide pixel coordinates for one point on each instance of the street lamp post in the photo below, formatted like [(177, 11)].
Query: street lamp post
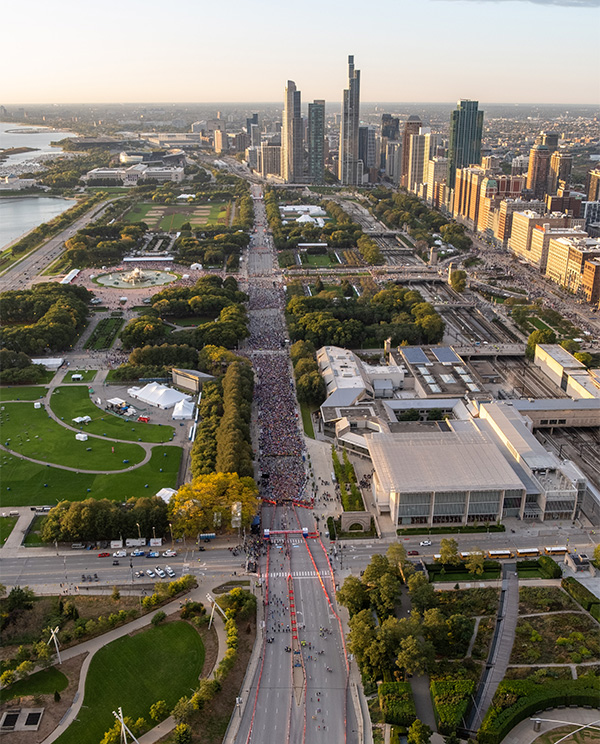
[(171, 529), (137, 524)]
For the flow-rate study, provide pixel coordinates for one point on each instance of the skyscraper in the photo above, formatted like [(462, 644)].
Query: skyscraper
[(366, 147), (292, 152), (539, 169), (466, 127), (390, 126), (561, 163), (316, 141), (411, 126), (349, 172)]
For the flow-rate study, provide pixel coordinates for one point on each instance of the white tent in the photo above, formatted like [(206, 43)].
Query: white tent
[(37, 404), (82, 419), (81, 437), (184, 409), (157, 395), (166, 493)]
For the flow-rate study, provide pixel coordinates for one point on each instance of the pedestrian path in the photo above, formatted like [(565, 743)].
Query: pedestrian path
[(300, 574)]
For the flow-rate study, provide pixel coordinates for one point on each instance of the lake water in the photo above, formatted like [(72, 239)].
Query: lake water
[(15, 135), (19, 214)]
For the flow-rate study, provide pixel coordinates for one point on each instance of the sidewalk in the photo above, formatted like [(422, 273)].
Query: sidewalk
[(523, 732), (92, 646)]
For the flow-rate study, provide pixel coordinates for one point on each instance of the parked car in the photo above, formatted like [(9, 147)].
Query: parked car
[(413, 552), (425, 543), (170, 572), (120, 554), (170, 553), (153, 554), (136, 553), (160, 572), (103, 555), (151, 573)]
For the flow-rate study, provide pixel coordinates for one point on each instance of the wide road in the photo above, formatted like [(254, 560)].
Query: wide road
[(301, 694), (22, 274)]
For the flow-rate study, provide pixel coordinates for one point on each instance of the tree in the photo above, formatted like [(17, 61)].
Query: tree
[(475, 562), (458, 280), (584, 357), (159, 711), (597, 553), (20, 598), (545, 336), (8, 678), (116, 594), (24, 669), (422, 594), (449, 552), (56, 696), (353, 595), (570, 345), (460, 630), (415, 655), (419, 733), (183, 710), (183, 734)]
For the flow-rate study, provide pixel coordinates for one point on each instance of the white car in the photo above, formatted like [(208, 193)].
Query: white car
[(150, 573), (425, 543), (170, 553), (120, 554), (170, 572), (160, 572)]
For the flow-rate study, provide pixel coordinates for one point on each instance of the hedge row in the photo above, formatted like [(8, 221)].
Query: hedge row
[(397, 703), (580, 594), (451, 700), (531, 697), (549, 568), (450, 530)]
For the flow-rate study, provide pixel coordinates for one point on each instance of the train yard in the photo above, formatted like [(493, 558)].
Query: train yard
[(580, 445)]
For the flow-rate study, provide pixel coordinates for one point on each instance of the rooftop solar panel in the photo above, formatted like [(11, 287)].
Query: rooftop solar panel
[(445, 355), (415, 355)]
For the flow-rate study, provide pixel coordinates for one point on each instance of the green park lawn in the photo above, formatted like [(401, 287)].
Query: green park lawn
[(45, 682), (307, 423), (87, 374), (7, 525), (172, 222), (138, 212), (33, 537), (70, 402), (31, 432), (134, 672), (319, 260), (22, 392), (26, 483)]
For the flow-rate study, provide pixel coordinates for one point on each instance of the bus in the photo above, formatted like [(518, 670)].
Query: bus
[(556, 550), (497, 554), (527, 552), (468, 554)]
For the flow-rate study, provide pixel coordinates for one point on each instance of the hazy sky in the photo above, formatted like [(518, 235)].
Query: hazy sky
[(539, 51)]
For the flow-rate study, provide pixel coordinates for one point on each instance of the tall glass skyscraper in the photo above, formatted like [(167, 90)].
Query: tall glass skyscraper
[(292, 146), (316, 141), (350, 174), (466, 127)]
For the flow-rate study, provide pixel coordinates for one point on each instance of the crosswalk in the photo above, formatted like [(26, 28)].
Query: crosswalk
[(299, 574)]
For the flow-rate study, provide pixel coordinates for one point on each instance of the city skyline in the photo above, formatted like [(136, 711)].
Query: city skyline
[(65, 60)]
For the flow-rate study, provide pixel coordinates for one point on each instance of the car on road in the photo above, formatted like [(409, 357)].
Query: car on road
[(201, 548), (150, 573), (136, 553), (170, 553), (413, 552), (103, 555), (170, 572), (152, 554), (120, 554), (425, 543), (115, 563), (160, 572)]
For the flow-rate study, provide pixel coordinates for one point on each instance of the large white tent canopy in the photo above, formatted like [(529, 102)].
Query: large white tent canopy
[(184, 409), (161, 396)]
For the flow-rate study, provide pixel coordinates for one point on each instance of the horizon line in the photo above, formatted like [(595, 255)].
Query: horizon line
[(280, 103)]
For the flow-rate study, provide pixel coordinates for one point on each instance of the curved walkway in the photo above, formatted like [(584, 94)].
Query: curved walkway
[(147, 456), (95, 644), (523, 732)]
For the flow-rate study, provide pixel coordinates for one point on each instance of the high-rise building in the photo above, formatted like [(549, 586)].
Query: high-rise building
[(550, 139), (464, 147), (418, 150), (506, 211), (567, 258), (411, 126), (367, 146), (561, 164), (221, 142), (390, 127), (525, 222), (316, 141), (437, 169), (350, 174), (292, 148), (538, 171), (393, 161), (270, 160), (250, 121), (541, 235), (255, 135), (594, 185)]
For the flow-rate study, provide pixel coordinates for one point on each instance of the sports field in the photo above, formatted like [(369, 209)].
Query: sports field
[(70, 402), (170, 217), (133, 673), (25, 483), (31, 432)]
